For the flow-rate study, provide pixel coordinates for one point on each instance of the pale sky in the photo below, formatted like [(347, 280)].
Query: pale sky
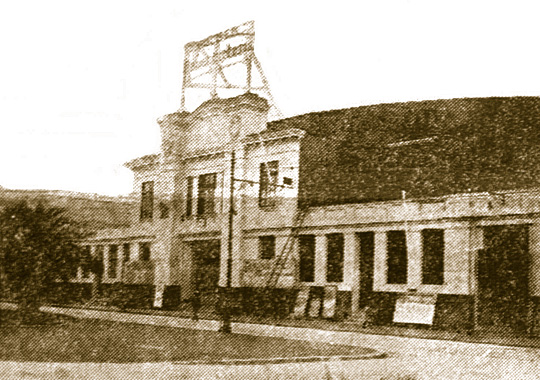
[(82, 83)]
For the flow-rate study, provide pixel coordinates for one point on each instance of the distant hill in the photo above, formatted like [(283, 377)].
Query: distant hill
[(93, 210)]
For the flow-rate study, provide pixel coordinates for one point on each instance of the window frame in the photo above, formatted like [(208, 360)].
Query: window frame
[(147, 201), (126, 248), (268, 183), (146, 248), (206, 194), (397, 259), (335, 256), (306, 253), (100, 259), (112, 261), (189, 196), (433, 251), (86, 262), (163, 210), (267, 247)]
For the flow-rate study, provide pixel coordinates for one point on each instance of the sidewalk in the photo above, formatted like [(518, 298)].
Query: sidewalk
[(344, 332), (316, 330), (210, 321)]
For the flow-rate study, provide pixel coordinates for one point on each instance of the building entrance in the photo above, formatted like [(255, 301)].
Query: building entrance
[(205, 277), (503, 276)]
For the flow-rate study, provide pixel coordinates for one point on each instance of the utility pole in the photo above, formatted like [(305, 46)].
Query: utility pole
[(226, 294)]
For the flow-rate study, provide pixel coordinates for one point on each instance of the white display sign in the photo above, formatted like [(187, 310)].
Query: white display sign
[(329, 303), (301, 303), (158, 297), (417, 309)]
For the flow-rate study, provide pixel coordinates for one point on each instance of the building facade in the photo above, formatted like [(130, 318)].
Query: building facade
[(435, 199)]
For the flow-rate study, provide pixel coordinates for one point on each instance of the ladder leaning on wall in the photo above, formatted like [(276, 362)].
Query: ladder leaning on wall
[(280, 262)]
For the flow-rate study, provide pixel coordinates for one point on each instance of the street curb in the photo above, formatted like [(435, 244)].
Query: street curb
[(80, 313), (300, 359)]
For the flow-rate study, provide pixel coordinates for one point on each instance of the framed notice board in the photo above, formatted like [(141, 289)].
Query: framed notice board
[(415, 309), (329, 302), (301, 303)]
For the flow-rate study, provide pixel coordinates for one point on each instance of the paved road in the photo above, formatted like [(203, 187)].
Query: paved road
[(417, 358)]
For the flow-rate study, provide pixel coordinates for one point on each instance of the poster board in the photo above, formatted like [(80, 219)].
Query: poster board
[(329, 303), (301, 303), (415, 309), (315, 306), (158, 296)]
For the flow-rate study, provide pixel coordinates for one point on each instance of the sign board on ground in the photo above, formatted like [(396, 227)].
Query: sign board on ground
[(158, 297), (329, 303), (301, 303), (415, 309), (315, 306)]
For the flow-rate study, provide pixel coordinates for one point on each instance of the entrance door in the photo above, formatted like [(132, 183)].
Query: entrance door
[(503, 277), (206, 254), (367, 248)]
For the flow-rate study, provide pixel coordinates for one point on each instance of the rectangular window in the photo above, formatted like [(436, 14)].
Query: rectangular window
[(267, 247), (206, 194), (334, 258), (126, 250), (396, 257), (86, 261), (147, 200), (113, 261), (268, 181), (163, 210), (74, 266), (306, 247), (366, 247), (189, 196), (144, 251), (433, 256), (99, 261)]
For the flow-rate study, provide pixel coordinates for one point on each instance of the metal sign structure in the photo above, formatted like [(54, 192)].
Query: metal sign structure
[(208, 63)]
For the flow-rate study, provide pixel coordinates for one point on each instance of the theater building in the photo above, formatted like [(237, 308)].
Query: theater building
[(437, 200)]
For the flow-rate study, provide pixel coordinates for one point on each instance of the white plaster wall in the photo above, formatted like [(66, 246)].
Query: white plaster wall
[(320, 260), (414, 259), (159, 254), (286, 152), (351, 265), (105, 277), (457, 260), (250, 252), (379, 263), (212, 128)]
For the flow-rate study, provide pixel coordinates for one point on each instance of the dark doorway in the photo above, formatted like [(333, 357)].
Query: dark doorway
[(206, 254), (306, 246), (503, 277), (367, 249)]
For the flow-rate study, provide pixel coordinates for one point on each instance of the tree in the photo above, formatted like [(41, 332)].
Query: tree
[(38, 247)]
